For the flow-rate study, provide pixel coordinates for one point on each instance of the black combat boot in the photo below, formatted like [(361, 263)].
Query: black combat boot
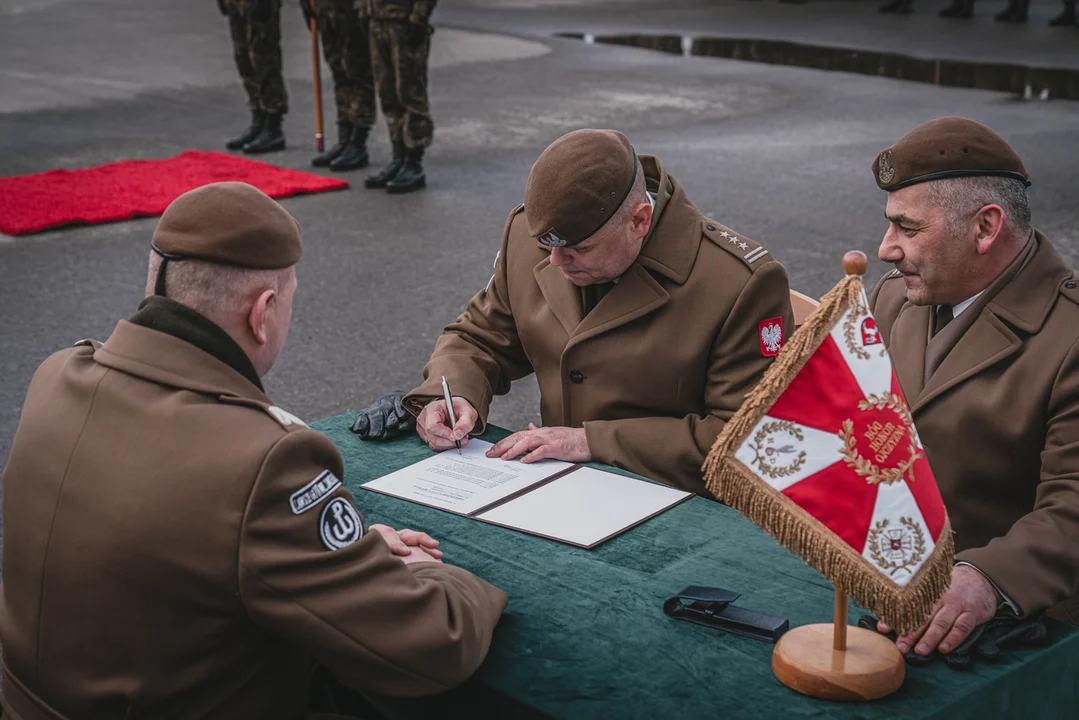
[(1066, 18), (958, 9), (344, 135), (257, 121), (411, 176), (899, 7), (383, 176), (270, 139), (1016, 12), (354, 156)]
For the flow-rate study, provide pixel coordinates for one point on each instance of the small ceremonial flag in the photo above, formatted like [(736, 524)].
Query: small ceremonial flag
[(823, 455)]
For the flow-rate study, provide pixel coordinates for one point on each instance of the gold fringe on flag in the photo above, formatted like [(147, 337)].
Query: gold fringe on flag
[(904, 608)]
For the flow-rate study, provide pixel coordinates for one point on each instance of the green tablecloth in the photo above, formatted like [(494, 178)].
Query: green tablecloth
[(585, 636)]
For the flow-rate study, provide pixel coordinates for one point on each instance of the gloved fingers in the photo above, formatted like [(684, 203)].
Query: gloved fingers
[(915, 660), (378, 424), (957, 660), (361, 425), (399, 405), (987, 648)]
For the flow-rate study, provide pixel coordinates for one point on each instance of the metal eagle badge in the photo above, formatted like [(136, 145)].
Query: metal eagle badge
[(886, 173), (550, 239)]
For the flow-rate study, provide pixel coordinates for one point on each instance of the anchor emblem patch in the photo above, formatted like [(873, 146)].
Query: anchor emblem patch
[(340, 524)]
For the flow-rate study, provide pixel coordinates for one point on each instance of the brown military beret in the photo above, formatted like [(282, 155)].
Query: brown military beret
[(577, 185), (231, 223), (944, 148)]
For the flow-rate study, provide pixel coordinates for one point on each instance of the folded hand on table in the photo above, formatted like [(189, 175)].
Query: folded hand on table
[(409, 545), (539, 443)]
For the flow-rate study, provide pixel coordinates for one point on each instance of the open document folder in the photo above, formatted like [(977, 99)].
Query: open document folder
[(556, 500)]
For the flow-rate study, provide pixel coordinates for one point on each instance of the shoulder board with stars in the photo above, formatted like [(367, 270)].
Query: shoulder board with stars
[(740, 246)]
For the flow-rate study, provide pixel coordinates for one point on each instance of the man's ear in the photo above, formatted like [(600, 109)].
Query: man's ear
[(641, 219), (256, 319), (989, 223)]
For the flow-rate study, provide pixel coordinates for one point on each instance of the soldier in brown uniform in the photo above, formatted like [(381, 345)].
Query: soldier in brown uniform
[(980, 318), (348, 53), (400, 33), (255, 26), (178, 546), (644, 321)]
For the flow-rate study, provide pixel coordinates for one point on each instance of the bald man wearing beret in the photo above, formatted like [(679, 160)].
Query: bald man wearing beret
[(645, 322), (980, 316), (178, 546)]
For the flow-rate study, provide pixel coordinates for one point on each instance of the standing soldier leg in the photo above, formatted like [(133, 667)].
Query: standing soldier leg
[(328, 15), (357, 101), (266, 59), (238, 13), (383, 66), (413, 49)]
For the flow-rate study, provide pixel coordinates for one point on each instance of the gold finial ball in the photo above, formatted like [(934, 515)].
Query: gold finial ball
[(855, 263)]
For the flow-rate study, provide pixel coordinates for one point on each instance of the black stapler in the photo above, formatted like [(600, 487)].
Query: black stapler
[(712, 607)]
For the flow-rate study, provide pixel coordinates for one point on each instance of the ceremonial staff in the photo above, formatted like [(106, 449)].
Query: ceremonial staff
[(316, 70)]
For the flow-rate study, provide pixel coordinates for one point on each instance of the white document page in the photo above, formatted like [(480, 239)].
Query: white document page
[(585, 507), (464, 483)]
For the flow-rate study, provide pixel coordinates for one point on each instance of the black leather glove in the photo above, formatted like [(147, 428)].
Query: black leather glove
[(384, 419), (308, 12), (221, 7), (1005, 630), (417, 33)]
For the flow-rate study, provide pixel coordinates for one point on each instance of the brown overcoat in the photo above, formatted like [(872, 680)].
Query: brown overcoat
[(999, 420), (655, 369), (162, 560)]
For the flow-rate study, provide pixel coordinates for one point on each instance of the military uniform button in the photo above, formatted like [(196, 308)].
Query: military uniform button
[(1070, 284), (576, 376), (711, 226)]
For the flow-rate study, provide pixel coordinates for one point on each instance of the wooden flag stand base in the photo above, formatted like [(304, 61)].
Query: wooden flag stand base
[(835, 662)]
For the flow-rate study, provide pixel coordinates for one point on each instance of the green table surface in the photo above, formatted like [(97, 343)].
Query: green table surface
[(584, 635)]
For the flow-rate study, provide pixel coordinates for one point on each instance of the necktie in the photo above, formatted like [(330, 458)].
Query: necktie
[(943, 317)]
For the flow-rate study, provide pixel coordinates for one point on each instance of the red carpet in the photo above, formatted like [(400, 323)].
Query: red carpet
[(135, 188)]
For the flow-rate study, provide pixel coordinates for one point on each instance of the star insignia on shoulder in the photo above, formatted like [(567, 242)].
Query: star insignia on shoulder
[(742, 245), (733, 240), (725, 234)]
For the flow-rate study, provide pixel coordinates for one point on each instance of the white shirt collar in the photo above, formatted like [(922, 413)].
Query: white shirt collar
[(958, 309)]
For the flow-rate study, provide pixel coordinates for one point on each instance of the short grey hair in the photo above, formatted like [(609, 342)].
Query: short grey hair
[(961, 197), (211, 289)]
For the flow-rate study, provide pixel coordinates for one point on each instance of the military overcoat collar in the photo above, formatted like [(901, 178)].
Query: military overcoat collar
[(167, 360), (1021, 305), (670, 250)]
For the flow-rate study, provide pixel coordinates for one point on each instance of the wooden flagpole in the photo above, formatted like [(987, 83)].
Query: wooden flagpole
[(317, 71), (839, 637)]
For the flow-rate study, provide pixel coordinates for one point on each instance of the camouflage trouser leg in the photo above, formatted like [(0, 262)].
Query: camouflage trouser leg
[(256, 42), (348, 53), (401, 77)]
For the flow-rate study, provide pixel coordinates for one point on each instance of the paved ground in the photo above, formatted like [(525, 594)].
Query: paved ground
[(782, 154)]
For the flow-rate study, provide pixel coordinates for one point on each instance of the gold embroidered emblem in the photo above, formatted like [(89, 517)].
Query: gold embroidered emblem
[(768, 456), (887, 172), (550, 239), (893, 549), (883, 437)]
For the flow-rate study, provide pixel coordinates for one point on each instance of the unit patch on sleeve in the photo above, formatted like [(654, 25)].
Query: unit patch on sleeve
[(340, 524), (310, 494), (770, 333)]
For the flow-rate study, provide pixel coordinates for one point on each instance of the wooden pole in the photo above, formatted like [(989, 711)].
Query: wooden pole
[(317, 71), (839, 636)]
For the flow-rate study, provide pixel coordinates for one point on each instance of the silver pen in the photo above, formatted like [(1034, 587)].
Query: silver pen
[(449, 406)]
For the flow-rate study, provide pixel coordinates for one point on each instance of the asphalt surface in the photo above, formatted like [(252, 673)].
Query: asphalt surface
[(781, 154)]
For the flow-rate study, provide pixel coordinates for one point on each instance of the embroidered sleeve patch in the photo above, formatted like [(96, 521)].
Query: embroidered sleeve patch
[(770, 333), (310, 494), (340, 524)]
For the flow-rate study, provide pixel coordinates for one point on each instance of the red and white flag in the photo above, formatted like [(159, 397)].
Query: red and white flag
[(824, 456)]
